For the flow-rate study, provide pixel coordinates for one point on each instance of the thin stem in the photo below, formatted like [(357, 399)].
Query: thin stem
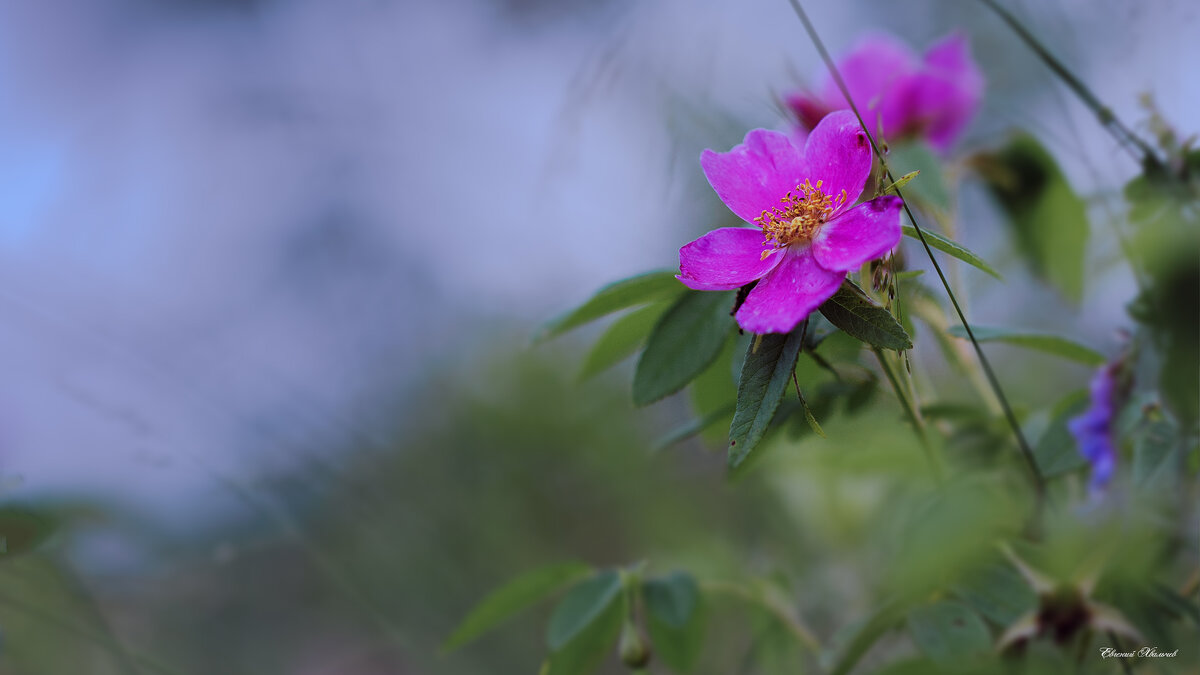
[(914, 416), (787, 618), (1103, 113), (1039, 482)]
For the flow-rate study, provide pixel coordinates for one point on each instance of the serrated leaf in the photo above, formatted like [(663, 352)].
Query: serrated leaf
[(687, 338), (860, 317), (949, 633), (582, 605), (1048, 220), (766, 373), (510, 599), (618, 295), (1056, 452), (1042, 342), (622, 339), (953, 248)]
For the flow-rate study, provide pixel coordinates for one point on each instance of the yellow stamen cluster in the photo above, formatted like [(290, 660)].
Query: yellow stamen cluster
[(804, 211)]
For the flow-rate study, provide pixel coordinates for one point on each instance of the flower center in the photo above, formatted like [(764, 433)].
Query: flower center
[(803, 212)]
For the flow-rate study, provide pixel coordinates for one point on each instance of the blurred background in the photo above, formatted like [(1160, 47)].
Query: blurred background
[(269, 270)]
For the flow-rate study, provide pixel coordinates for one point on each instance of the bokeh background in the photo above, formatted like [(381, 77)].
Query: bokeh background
[(269, 270)]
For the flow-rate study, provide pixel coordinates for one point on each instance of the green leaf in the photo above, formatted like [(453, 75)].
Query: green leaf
[(692, 428), (582, 605), (901, 182), (1042, 342), (766, 373), (1056, 452), (860, 317), (672, 598), (1154, 453), (587, 650), (1048, 220), (507, 601), (931, 190), (684, 342), (955, 249), (22, 530), (998, 592), (949, 633), (675, 619), (622, 339), (629, 292)]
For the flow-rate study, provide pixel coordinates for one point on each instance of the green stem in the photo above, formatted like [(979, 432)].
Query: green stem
[(1039, 482), (914, 417), (799, 630)]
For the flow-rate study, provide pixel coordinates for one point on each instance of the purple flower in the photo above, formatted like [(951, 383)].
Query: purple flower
[(809, 232), (1093, 429), (932, 97)]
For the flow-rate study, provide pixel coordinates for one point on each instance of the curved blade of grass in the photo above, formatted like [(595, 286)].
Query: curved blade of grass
[(1042, 342), (953, 248)]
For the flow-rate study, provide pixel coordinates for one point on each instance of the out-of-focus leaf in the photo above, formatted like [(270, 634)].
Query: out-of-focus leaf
[(766, 373), (1048, 220), (953, 248), (1056, 452), (675, 619), (1042, 342), (852, 311), (1153, 453), (618, 295), (585, 653), (931, 190), (949, 632), (22, 530), (622, 339), (715, 391), (900, 182), (507, 601), (582, 605), (684, 342), (998, 592)]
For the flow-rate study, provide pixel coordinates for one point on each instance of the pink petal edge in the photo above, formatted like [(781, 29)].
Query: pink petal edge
[(725, 259)]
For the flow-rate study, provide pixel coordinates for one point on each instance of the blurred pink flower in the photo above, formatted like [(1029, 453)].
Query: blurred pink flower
[(809, 233), (933, 97)]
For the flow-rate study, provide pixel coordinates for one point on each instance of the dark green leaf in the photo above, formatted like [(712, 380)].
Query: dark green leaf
[(766, 373), (684, 342), (622, 339), (1042, 342), (675, 619), (22, 531), (582, 605), (1049, 221), (672, 598), (508, 600), (1056, 452), (955, 249), (587, 650), (860, 317), (949, 633), (615, 296)]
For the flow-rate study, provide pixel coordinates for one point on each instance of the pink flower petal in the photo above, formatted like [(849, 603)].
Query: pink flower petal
[(753, 176), (788, 294), (725, 259), (839, 155), (951, 91), (863, 233), (875, 63)]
